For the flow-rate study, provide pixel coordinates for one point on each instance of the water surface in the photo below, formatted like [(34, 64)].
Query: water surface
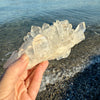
[(17, 16), (73, 10)]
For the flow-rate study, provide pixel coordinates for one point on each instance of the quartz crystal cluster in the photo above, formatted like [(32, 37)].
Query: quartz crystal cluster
[(49, 42)]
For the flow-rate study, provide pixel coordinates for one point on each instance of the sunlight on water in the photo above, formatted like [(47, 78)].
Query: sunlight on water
[(74, 9), (17, 17)]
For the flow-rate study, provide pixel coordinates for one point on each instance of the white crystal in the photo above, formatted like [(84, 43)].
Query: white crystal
[(49, 42)]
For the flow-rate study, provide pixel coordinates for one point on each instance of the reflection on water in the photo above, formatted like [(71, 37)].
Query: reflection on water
[(17, 16), (73, 10)]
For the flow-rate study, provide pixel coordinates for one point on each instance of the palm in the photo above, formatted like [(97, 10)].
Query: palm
[(18, 85), (28, 84)]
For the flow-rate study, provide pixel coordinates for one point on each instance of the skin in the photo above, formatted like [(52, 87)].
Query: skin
[(18, 83)]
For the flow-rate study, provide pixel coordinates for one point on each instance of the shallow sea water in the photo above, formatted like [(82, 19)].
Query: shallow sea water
[(16, 18)]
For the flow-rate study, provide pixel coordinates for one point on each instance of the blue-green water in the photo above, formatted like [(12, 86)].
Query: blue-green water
[(44, 10), (17, 16)]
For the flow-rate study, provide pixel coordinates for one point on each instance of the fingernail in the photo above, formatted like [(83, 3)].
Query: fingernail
[(24, 58), (45, 63)]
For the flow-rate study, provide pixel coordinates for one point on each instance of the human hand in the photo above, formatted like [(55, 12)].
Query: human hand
[(18, 83)]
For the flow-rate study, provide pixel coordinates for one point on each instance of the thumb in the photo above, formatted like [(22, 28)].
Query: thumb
[(15, 71)]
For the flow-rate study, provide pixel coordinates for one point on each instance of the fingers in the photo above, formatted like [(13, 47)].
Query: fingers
[(37, 78), (20, 65), (15, 70)]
